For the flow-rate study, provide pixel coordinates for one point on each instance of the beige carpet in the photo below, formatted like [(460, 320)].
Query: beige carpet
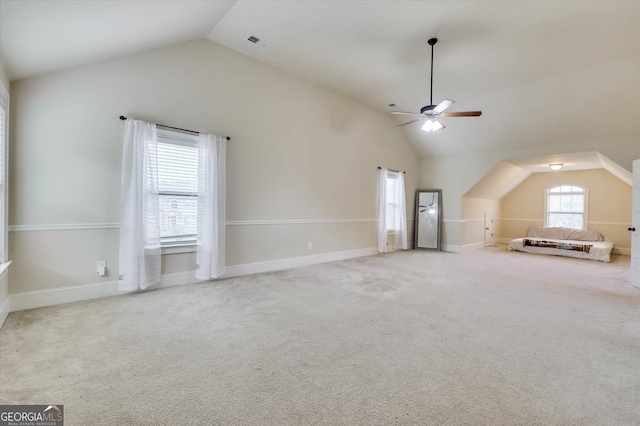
[(488, 337)]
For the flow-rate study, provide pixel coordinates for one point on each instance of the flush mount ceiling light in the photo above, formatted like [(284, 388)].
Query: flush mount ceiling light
[(556, 166)]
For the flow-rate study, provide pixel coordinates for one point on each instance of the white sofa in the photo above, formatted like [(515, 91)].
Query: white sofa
[(564, 242)]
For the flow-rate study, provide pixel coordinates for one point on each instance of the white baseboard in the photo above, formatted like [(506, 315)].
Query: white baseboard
[(450, 248), (293, 262), (503, 240), (472, 246), (625, 251), (77, 293), (57, 296)]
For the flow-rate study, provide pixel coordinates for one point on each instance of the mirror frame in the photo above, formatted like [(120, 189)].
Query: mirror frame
[(417, 222)]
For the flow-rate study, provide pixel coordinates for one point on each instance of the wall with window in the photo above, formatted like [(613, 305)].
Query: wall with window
[(608, 205), (302, 165)]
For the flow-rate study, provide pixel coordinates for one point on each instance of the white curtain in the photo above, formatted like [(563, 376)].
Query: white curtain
[(210, 260), (392, 210), (139, 208), (400, 241), (382, 211)]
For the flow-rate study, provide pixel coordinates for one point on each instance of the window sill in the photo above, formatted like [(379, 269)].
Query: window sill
[(4, 267), (178, 248)]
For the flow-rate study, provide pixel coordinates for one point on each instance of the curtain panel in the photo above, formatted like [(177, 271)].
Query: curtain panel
[(400, 240), (382, 211), (210, 256), (392, 207), (139, 208)]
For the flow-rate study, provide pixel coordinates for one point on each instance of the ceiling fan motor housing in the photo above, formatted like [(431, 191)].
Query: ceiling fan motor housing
[(427, 109)]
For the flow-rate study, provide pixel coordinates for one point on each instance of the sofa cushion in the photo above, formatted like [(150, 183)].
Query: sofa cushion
[(581, 235), (540, 232)]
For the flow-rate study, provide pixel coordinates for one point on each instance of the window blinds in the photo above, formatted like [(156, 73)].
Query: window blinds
[(178, 189), (392, 196)]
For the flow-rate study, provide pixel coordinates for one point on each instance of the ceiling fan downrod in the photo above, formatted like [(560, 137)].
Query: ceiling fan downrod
[(431, 42)]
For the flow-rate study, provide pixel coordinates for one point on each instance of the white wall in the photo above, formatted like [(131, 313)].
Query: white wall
[(301, 165)]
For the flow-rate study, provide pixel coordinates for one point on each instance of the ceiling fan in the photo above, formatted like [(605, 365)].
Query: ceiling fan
[(431, 111)]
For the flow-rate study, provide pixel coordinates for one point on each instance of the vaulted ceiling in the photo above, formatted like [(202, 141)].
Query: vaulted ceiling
[(542, 72)]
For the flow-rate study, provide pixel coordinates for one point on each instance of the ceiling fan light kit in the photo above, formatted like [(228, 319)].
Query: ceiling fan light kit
[(431, 111), (432, 126)]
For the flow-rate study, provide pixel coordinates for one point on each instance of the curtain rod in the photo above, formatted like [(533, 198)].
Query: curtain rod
[(122, 117), (391, 170)]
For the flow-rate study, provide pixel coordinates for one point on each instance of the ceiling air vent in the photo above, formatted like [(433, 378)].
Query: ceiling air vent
[(256, 40)]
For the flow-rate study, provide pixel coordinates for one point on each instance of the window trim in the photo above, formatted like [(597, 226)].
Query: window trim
[(395, 176), (585, 211), (178, 248), (4, 101)]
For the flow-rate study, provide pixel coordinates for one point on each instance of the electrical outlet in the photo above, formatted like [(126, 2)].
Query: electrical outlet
[(309, 245), (101, 267)]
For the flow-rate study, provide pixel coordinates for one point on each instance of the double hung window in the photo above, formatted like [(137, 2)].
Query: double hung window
[(391, 201), (566, 206), (177, 187)]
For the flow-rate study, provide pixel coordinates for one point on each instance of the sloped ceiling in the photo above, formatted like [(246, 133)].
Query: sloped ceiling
[(506, 176), (42, 35), (500, 180), (542, 72)]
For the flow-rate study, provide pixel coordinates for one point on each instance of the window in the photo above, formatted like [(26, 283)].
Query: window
[(566, 206), (4, 139), (391, 201), (178, 187)]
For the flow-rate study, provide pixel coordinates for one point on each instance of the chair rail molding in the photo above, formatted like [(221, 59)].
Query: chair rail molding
[(256, 222)]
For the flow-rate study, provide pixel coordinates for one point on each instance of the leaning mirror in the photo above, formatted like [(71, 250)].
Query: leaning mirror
[(428, 214)]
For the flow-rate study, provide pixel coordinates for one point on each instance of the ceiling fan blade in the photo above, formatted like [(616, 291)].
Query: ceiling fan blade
[(443, 106), (410, 122), (405, 113), (463, 114)]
